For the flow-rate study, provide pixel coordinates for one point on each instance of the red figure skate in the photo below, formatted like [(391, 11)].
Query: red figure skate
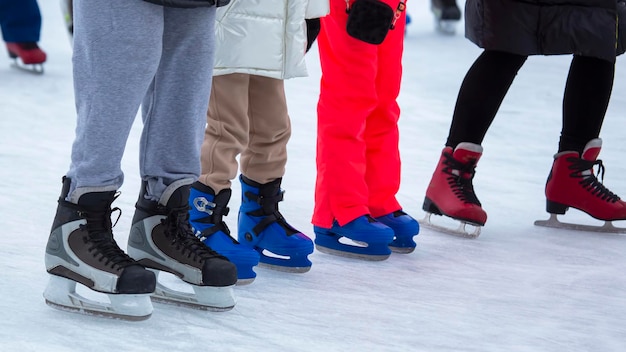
[(27, 56), (451, 192), (573, 184)]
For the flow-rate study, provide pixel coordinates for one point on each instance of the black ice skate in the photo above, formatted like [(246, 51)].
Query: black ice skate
[(161, 238), (81, 249), (447, 15)]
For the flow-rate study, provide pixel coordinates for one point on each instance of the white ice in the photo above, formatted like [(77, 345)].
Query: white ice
[(517, 287)]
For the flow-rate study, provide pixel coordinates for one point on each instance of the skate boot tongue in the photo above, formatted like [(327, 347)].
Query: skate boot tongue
[(467, 152), (592, 149)]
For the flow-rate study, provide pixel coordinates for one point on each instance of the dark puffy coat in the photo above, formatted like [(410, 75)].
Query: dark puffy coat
[(190, 3), (546, 27)]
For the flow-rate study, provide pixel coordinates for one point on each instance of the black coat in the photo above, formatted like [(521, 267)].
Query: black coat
[(546, 27)]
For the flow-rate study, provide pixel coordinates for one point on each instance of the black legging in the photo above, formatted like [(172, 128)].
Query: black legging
[(586, 98)]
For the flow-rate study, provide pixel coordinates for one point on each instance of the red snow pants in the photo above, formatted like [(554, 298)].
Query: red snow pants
[(358, 160)]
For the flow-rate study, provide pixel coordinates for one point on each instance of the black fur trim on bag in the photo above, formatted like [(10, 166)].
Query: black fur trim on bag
[(369, 20), (188, 4)]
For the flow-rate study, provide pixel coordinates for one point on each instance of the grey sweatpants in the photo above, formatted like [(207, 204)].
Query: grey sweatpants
[(129, 53)]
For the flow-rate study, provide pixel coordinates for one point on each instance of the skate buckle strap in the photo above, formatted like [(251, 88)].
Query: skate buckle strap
[(203, 205), (216, 219), (460, 178), (268, 203), (589, 180), (269, 211)]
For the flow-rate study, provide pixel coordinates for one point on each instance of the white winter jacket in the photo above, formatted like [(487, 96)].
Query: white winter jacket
[(264, 37)]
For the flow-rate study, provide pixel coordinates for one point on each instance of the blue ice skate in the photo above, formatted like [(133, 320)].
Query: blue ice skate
[(404, 228), (205, 216), (262, 227), (361, 238)]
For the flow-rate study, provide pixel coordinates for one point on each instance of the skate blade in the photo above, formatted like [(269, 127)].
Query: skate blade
[(61, 294), (285, 269), (402, 250), (36, 69), (394, 249), (209, 298), (403, 244), (460, 231), (244, 282), (554, 222), (357, 251), (287, 264)]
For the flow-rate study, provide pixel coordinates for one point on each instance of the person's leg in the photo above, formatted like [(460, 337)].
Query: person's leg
[(20, 21), (112, 72), (587, 94), (347, 97), (174, 117), (381, 136), (450, 191), (260, 223), (265, 157), (572, 182), (111, 75), (225, 137), (174, 109), (226, 133), (484, 87)]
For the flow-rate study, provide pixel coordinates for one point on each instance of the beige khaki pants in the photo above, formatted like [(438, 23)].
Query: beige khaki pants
[(247, 117)]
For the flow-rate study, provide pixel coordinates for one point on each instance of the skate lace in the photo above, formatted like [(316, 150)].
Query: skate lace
[(589, 181), (100, 241), (178, 230), (269, 213), (458, 179)]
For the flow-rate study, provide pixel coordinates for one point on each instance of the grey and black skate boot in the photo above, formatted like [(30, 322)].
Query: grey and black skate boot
[(81, 249), (161, 238)]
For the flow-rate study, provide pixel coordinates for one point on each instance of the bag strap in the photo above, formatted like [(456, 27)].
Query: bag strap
[(401, 8)]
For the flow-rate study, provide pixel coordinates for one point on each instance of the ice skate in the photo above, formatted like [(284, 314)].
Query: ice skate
[(404, 228), (451, 192), (27, 57), (205, 216), (81, 249), (573, 184), (162, 240), (362, 238), (263, 227), (447, 15)]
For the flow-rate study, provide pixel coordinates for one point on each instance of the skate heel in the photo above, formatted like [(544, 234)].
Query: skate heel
[(362, 238), (556, 208), (430, 207), (404, 228)]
